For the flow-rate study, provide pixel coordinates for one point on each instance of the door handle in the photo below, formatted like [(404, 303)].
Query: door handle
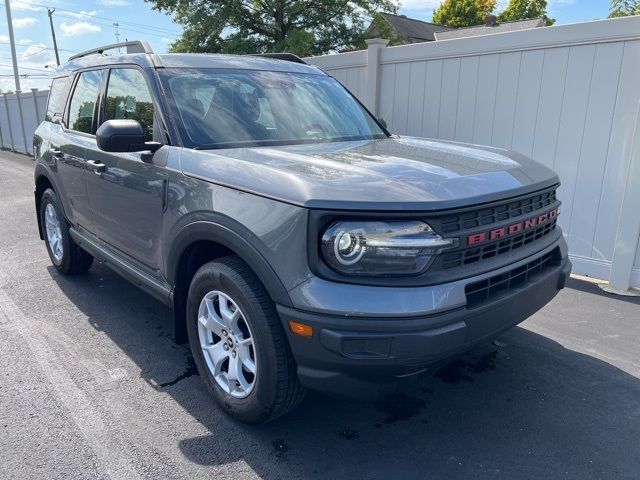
[(97, 167), (57, 153)]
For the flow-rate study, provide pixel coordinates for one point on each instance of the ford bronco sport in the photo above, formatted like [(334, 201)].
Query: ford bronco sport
[(299, 243)]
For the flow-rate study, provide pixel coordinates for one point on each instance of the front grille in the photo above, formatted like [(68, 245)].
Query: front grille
[(474, 254), (478, 293), (482, 217), (466, 222)]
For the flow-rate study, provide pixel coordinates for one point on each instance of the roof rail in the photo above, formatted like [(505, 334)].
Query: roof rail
[(134, 46), (289, 57)]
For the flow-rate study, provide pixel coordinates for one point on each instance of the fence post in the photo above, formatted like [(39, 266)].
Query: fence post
[(374, 47), (1, 136), (24, 133), (626, 245), (35, 105), (6, 106)]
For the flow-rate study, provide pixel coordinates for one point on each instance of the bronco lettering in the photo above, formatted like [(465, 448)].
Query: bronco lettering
[(512, 229)]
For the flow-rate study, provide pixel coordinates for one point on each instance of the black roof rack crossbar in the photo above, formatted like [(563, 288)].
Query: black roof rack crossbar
[(289, 57), (133, 46)]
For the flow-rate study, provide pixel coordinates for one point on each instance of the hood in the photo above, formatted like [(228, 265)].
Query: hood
[(396, 173)]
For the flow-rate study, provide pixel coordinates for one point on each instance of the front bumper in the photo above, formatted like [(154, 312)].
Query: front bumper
[(366, 356)]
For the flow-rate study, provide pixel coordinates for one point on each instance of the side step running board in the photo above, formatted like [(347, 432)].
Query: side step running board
[(152, 285)]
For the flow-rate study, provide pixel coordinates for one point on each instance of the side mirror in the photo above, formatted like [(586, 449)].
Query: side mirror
[(382, 122), (123, 136)]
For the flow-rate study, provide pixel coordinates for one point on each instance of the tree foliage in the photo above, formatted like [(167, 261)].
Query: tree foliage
[(624, 8), (468, 13), (522, 9), (303, 27), (463, 13)]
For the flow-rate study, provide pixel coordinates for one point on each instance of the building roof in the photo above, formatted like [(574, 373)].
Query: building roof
[(412, 28), (526, 24)]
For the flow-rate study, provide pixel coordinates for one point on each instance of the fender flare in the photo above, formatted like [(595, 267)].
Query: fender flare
[(235, 237), (40, 170)]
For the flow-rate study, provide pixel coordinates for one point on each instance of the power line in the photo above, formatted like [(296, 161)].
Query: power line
[(89, 18), (138, 25), (20, 45), (125, 29), (27, 75), (48, 48), (27, 56), (111, 20), (23, 68), (34, 53)]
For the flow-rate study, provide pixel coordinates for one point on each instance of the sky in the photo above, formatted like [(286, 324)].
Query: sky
[(84, 24), (79, 25)]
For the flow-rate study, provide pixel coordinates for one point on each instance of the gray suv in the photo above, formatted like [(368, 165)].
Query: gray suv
[(299, 243)]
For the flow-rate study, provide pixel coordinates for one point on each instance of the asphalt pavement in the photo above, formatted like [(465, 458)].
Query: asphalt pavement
[(92, 386)]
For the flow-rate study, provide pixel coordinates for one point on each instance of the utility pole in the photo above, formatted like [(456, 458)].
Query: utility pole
[(53, 34), (12, 41), (116, 25)]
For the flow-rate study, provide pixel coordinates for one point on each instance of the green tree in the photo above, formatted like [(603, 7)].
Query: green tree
[(624, 8), (303, 27), (463, 13), (521, 9)]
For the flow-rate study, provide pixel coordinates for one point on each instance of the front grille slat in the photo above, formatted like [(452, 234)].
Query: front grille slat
[(478, 293), (482, 218), (485, 216)]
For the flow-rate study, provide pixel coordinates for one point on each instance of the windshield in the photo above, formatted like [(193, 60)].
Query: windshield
[(230, 108)]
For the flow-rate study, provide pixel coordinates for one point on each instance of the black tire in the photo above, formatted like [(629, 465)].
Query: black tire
[(277, 389), (74, 260)]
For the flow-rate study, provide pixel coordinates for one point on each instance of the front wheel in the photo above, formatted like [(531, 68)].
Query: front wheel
[(238, 343), (66, 256)]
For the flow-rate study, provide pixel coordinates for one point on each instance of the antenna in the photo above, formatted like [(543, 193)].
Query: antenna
[(117, 25)]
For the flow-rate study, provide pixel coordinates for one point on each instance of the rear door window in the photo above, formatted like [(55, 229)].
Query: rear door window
[(83, 102)]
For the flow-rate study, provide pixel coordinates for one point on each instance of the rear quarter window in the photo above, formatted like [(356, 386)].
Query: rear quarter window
[(57, 98)]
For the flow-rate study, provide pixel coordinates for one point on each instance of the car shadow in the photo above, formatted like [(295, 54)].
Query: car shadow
[(594, 289), (520, 407)]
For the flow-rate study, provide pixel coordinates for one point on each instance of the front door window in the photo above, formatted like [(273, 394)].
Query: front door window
[(128, 97)]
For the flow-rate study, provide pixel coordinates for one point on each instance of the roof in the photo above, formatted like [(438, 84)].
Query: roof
[(412, 28), (190, 60), (240, 62), (487, 30)]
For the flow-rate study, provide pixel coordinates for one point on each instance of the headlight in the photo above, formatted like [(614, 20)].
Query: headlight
[(381, 248)]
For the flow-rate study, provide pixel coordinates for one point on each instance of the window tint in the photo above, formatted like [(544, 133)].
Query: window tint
[(129, 97), (57, 98), (83, 102)]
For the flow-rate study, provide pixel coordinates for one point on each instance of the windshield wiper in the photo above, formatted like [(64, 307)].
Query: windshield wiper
[(271, 143)]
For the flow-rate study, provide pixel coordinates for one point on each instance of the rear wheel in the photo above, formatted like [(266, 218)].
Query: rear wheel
[(66, 256), (238, 343)]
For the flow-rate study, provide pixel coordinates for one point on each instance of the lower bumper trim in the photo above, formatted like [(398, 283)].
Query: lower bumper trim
[(357, 356)]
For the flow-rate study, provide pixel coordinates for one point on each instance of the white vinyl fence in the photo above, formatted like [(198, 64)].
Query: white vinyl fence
[(568, 96), (20, 114)]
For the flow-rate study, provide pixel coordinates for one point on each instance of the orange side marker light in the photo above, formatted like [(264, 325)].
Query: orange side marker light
[(301, 329)]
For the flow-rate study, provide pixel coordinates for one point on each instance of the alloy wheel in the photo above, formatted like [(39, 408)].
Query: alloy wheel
[(54, 232), (227, 344)]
